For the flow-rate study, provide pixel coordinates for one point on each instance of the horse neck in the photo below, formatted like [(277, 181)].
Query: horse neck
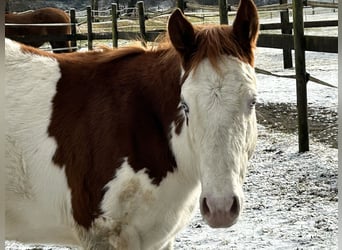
[(162, 88)]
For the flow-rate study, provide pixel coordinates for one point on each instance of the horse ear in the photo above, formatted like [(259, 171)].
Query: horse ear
[(181, 33), (246, 24)]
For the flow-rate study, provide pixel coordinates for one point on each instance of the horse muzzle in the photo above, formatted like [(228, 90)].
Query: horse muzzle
[(220, 212)]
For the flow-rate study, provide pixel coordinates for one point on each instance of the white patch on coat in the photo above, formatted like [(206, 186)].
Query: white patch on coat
[(38, 207), (140, 215), (221, 132)]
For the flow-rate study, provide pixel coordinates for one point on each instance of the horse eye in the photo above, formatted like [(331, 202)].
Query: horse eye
[(253, 103), (185, 107)]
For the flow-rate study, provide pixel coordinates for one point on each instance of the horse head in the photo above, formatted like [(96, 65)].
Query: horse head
[(218, 100)]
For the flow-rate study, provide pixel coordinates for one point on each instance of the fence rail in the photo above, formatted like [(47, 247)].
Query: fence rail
[(280, 41), (312, 43)]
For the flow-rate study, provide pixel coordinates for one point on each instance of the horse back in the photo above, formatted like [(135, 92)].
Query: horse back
[(44, 15)]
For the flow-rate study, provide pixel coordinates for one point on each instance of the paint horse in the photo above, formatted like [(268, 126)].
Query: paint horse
[(40, 16), (113, 149)]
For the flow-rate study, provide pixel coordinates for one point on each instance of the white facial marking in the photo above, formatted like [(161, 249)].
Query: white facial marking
[(221, 130)]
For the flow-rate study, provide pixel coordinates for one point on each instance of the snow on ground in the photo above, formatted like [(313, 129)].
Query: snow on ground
[(323, 66)]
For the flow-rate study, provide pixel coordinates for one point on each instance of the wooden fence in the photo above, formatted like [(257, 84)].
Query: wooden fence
[(280, 41)]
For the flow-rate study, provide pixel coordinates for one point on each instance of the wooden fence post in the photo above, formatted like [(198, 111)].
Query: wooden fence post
[(90, 28), (141, 13), (286, 29), (114, 25), (73, 42), (180, 5), (301, 76), (223, 12)]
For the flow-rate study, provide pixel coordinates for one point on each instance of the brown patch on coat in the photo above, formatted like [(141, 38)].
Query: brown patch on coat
[(108, 107)]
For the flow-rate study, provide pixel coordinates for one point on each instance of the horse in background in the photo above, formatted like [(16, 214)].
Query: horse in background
[(41, 16)]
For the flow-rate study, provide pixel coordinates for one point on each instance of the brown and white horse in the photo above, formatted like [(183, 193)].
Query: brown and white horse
[(113, 149), (41, 16)]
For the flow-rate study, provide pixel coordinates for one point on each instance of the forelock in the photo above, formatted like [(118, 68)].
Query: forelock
[(214, 41)]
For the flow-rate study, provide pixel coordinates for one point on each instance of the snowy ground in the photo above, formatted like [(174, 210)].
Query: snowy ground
[(290, 198), (323, 66)]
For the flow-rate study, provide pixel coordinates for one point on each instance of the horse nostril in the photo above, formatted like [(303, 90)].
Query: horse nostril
[(235, 208), (205, 207)]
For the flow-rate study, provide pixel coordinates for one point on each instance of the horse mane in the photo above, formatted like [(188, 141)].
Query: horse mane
[(102, 54), (212, 42), (217, 40), (105, 54), (161, 45)]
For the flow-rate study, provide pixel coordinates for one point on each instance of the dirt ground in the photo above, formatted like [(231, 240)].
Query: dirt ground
[(282, 117)]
